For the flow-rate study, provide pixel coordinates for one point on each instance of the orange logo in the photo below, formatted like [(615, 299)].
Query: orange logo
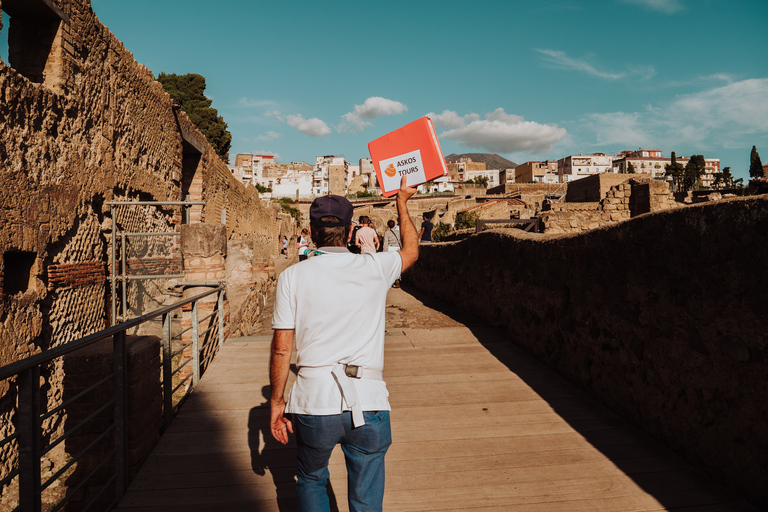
[(390, 171)]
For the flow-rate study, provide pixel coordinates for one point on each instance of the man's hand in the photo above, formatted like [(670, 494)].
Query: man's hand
[(278, 423), (405, 191)]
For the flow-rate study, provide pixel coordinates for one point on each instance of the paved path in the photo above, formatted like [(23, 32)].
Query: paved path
[(477, 425)]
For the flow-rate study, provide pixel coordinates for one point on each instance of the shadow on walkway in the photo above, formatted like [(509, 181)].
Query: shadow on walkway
[(673, 482)]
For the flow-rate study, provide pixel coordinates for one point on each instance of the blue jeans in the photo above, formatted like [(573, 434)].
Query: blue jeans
[(364, 449)]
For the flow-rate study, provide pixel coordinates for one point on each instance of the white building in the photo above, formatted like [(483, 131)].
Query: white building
[(650, 161), (294, 184), (495, 177), (574, 167), (249, 168)]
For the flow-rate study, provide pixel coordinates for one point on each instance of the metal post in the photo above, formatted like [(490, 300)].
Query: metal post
[(123, 273), (113, 267), (167, 372), (195, 345), (221, 318), (121, 412), (224, 217), (28, 428)]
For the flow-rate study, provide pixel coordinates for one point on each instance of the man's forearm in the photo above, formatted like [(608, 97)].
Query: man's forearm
[(408, 236), (280, 363)]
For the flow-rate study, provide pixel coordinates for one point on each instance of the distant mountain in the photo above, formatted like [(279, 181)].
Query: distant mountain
[(492, 161)]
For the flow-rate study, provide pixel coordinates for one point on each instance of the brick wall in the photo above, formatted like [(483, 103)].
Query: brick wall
[(83, 123)]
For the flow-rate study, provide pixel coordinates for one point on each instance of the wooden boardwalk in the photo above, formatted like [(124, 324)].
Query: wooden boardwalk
[(477, 425)]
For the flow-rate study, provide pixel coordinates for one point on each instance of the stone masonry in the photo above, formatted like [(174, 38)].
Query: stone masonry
[(620, 203), (661, 317), (83, 123)]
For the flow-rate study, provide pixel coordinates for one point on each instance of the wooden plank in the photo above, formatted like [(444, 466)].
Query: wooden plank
[(470, 432)]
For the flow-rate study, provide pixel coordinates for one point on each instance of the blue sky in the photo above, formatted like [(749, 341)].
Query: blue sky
[(527, 80)]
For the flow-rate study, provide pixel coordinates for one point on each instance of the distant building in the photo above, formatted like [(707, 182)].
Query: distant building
[(575, 167), (537, 172), (650, 161), (363, 177), (457, 170), (249, 168), (495, 177), (294, 184), (642, 161), (330, 175)]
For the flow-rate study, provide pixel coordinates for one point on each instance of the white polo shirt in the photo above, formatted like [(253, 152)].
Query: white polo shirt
[(336, 304)]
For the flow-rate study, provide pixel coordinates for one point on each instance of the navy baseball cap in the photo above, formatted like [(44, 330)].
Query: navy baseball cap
[(330, 206)]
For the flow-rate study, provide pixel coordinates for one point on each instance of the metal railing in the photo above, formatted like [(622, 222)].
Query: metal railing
[(27, 441), (531, 225)]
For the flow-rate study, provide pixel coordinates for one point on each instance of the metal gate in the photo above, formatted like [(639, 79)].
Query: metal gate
[(134, 247)]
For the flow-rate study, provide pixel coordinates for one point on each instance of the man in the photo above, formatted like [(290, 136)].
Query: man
[(334, 305), (425, 235), (366, 237)]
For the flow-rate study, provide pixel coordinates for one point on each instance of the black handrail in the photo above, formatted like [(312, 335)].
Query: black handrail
[(44, 357), (28, 432)]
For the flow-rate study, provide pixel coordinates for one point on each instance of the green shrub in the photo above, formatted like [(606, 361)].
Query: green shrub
[(441, 231), (466, 220)]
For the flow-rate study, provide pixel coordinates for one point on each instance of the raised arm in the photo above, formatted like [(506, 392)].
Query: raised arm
[(408, 236)]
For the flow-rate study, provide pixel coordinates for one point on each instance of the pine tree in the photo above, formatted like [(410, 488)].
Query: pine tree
[(755, 165), (188, 91), (675, 170)]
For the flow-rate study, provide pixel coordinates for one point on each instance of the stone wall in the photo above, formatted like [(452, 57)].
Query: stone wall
[(95, 126), (593, 188), (621, 202), (82, 124), (661, 317)]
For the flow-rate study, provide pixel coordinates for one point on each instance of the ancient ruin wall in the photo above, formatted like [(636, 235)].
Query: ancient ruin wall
[(97, 127), (621, 202), (83, 123), (661, 317)]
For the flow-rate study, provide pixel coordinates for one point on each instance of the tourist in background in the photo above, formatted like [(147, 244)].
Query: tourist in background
[(392, 237), (303, 245), (367, 239), (425, 235), (391, 242)]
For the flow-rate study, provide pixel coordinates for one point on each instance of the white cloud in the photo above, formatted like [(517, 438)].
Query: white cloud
[(620, 128), (450, 119), (718, 117), (313, 127), (374, 106), (665, 6), (561, 60), (275, 114), (269, 136), (500, 132)]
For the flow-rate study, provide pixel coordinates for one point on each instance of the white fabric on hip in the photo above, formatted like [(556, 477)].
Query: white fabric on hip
[(347, 385)]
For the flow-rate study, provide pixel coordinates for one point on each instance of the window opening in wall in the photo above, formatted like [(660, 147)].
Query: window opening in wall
[(32, 27), (190, 160), (17, 271)]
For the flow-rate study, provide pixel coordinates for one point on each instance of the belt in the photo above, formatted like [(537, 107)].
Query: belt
[(345, 375)]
